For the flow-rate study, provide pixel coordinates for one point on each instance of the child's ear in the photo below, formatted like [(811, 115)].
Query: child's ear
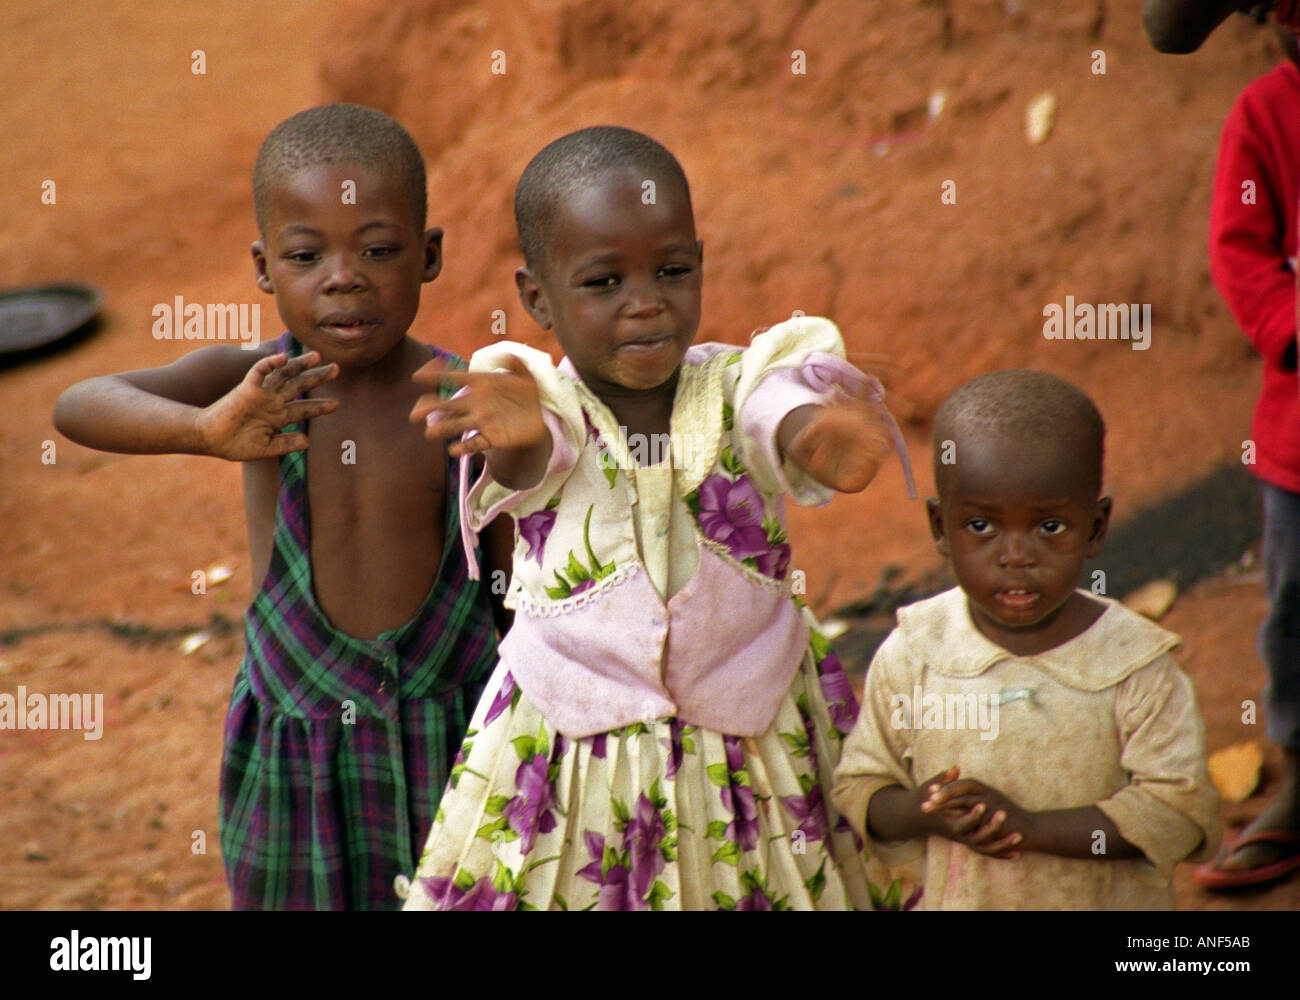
[(935, 514), (533, 296), (432, 253), (259, 268), (1100, 523)]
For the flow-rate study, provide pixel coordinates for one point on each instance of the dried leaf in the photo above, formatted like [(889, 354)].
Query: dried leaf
[(1153, 599), (1040, 116), (1235, 770), (194, 641), (219, 573)]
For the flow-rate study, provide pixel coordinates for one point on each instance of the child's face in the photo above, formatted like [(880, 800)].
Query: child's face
[(345, 258), (622, 281), (1017, 523)]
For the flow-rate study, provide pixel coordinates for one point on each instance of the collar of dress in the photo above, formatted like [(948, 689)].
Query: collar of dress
[(939, 630), (696, 427)]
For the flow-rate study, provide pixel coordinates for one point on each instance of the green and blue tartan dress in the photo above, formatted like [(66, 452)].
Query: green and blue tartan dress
[(337, 749)]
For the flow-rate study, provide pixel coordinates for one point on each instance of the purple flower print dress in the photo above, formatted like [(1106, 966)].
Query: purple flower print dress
[(664, 722)]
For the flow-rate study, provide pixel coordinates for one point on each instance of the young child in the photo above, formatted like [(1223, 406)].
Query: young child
[(367, 647), (1253, 238), (1037, 745), (665, 717)]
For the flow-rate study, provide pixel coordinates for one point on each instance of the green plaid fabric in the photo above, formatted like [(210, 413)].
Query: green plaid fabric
[(337, 749)]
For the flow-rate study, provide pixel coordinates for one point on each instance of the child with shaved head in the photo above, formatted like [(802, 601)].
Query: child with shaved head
[(367, 645), (1037, 745), (662, 727)]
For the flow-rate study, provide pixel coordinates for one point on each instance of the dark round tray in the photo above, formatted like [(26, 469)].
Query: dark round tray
[(32, 318)]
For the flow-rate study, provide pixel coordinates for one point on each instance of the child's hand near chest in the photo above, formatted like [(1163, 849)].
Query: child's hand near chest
[(245, 423), (986, 821), (502, 409)]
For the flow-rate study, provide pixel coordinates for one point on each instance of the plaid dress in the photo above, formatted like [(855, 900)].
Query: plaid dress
[(337, 748)]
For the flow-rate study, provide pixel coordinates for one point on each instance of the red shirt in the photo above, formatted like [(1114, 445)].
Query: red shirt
[(1249, 247)]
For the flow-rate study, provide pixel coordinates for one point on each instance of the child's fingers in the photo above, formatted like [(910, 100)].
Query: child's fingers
[(431, 403), (989, 830), (942, 779), (516, 366), (950, 803), (954, 790), (1003, 848), (308, 409), (282, 444), (969, 822), (431, 372), (449, 426), (258, 373), (296, 384), (436, 374), (468, 446)]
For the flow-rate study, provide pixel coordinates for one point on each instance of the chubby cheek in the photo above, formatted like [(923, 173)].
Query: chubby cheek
[(969, 559)]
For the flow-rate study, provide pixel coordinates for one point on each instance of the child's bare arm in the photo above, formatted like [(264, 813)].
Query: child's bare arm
[(502, 408), (841, 445), (216, 401)]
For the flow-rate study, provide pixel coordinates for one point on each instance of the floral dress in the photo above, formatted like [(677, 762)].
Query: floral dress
[(663, 725)]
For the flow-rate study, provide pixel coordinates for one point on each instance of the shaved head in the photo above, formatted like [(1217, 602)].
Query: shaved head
[(1035, 410), (340, 133), (574, 161)]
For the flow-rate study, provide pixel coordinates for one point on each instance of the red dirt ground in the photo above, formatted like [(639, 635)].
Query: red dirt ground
[(817, 191)]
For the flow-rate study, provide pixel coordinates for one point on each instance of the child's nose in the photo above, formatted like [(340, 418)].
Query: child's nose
[(644, 298), (1016, 551), (343, 274)]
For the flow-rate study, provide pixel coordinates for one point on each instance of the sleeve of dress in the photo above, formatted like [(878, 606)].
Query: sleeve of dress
[(562, 414), (797, 363), (876, 753), (1169, 809)]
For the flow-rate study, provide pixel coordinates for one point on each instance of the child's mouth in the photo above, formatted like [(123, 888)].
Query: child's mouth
[(347, 327), (647, 345), (1017, 598)]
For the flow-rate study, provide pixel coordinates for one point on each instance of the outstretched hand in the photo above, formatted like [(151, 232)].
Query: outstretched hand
[(842, 444), (245, 423), (503, 410), (973, 814)]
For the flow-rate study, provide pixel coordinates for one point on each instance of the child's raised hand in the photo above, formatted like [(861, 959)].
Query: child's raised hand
[(973, 814), (842, 444), (245, 423), (502, 408)]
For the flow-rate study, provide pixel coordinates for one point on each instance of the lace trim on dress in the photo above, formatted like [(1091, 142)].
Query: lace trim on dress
[(780, 586), (552, 609)]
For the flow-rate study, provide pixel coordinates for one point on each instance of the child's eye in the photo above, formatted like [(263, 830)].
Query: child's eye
[(381, 252), (301, 256), (674, 270), (979, 526), (1053, 526), (604, 281)]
